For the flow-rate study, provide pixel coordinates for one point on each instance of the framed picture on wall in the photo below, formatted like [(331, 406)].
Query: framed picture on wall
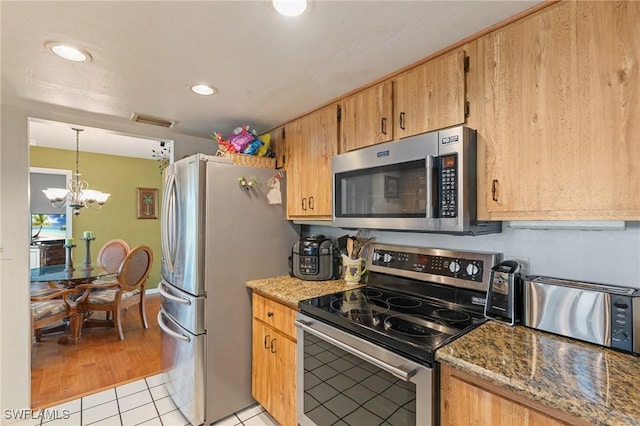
[(147, 203)]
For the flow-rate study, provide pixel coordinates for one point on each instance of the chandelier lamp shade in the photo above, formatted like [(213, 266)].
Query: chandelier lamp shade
[(77, 194)]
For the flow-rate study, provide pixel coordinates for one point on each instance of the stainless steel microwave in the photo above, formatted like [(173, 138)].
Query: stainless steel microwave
[(422, 183)]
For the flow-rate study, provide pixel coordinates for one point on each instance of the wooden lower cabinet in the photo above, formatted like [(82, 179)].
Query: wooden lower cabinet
[(466, 400), (273, 375)]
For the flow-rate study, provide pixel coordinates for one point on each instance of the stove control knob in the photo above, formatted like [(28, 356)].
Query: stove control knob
[(454, 267), (472, 269), (387, 258), (376, 256)]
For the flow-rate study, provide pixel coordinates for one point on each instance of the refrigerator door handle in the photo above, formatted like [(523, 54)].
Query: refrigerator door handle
[(170, 332), (163, 293), (169, 201)]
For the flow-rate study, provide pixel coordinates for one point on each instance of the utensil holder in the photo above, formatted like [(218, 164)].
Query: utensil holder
[(68, 261), (86, 266)]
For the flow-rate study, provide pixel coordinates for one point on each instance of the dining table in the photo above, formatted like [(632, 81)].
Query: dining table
[(61, 275), (58, 277)]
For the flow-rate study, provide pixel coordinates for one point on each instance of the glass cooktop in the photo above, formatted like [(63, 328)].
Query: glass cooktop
[(412, 325)]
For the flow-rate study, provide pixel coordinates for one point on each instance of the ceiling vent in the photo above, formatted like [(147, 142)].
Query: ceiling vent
[(148, 119)]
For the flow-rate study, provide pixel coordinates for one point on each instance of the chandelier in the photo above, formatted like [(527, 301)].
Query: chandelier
[(77, 194)]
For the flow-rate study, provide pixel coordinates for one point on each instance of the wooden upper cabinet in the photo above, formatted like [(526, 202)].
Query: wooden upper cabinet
[(278, 146), (430, 96), (559, 98), (311, 142), (367, 117)]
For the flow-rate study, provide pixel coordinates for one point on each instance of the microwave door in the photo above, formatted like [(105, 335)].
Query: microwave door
[(386, 186)]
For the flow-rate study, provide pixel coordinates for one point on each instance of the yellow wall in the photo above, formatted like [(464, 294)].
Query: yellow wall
[(119, 176)]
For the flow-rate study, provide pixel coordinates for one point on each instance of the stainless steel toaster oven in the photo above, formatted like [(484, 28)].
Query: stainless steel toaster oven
[(601, 314)]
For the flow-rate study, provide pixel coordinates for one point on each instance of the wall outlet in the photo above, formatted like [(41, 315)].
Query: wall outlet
[(525, 264)]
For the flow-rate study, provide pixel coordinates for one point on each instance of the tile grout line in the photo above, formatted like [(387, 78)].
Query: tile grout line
[(153, 399), (115, 390)]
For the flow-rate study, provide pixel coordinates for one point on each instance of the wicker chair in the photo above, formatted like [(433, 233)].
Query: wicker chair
[(127, 290), (50, 311), (110, 257)]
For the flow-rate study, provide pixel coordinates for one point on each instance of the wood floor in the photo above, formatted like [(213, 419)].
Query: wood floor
[(100, 360)]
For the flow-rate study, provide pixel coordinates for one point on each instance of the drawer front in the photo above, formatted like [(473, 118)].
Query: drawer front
[(54, 251), (275, 314)]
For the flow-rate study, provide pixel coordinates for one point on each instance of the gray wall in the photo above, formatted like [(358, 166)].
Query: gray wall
[(39, 202), (600, 256)]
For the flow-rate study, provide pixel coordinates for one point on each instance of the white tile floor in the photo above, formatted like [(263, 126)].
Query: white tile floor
[(144, 402)]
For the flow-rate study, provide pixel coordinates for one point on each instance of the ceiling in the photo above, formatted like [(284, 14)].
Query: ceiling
[(268, 68), (51, 134)]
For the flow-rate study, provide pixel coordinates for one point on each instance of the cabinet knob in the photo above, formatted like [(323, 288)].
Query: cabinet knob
[(269, 314)]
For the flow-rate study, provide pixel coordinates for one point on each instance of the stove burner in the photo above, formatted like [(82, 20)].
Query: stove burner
[(404, 302), (451, 315), (416, 326), (361, 310)]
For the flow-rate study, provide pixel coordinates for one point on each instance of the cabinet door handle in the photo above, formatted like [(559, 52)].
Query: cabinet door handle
[(402, 120), (266, 338), (304, 204), (311, 202), (272, 348), (269, 314), (383, 125), (494, 185)]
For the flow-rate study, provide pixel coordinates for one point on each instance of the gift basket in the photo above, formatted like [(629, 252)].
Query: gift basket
[(244, 147)]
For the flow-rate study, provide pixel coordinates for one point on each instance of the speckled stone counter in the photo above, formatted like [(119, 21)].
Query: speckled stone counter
[(599, 385), (289, 291)]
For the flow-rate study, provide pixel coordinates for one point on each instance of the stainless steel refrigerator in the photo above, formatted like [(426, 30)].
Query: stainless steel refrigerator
[(221, 226)]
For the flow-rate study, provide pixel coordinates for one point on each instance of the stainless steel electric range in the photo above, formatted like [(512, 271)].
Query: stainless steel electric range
[(367, 355)]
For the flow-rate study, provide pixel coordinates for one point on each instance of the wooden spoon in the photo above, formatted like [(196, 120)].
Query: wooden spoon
[(349, 247)]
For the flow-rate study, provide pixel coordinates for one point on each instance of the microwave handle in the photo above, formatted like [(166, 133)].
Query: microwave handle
[(429, 167)]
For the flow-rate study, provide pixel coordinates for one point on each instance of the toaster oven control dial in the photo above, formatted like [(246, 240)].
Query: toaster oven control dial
[(454, 267)]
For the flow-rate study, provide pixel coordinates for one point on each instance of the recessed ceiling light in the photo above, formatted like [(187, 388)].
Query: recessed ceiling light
[(290, 7), (68, 52), (203, 89)]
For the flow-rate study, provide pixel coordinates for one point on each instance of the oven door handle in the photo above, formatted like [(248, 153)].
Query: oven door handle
[(399, 372)]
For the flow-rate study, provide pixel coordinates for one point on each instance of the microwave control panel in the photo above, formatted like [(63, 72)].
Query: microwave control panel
[(448, 186)]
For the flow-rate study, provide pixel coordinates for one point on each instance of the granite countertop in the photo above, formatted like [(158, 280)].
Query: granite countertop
[(597, 384), (289, 290)]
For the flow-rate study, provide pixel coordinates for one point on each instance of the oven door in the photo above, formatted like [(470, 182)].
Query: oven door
[(344, 378)]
